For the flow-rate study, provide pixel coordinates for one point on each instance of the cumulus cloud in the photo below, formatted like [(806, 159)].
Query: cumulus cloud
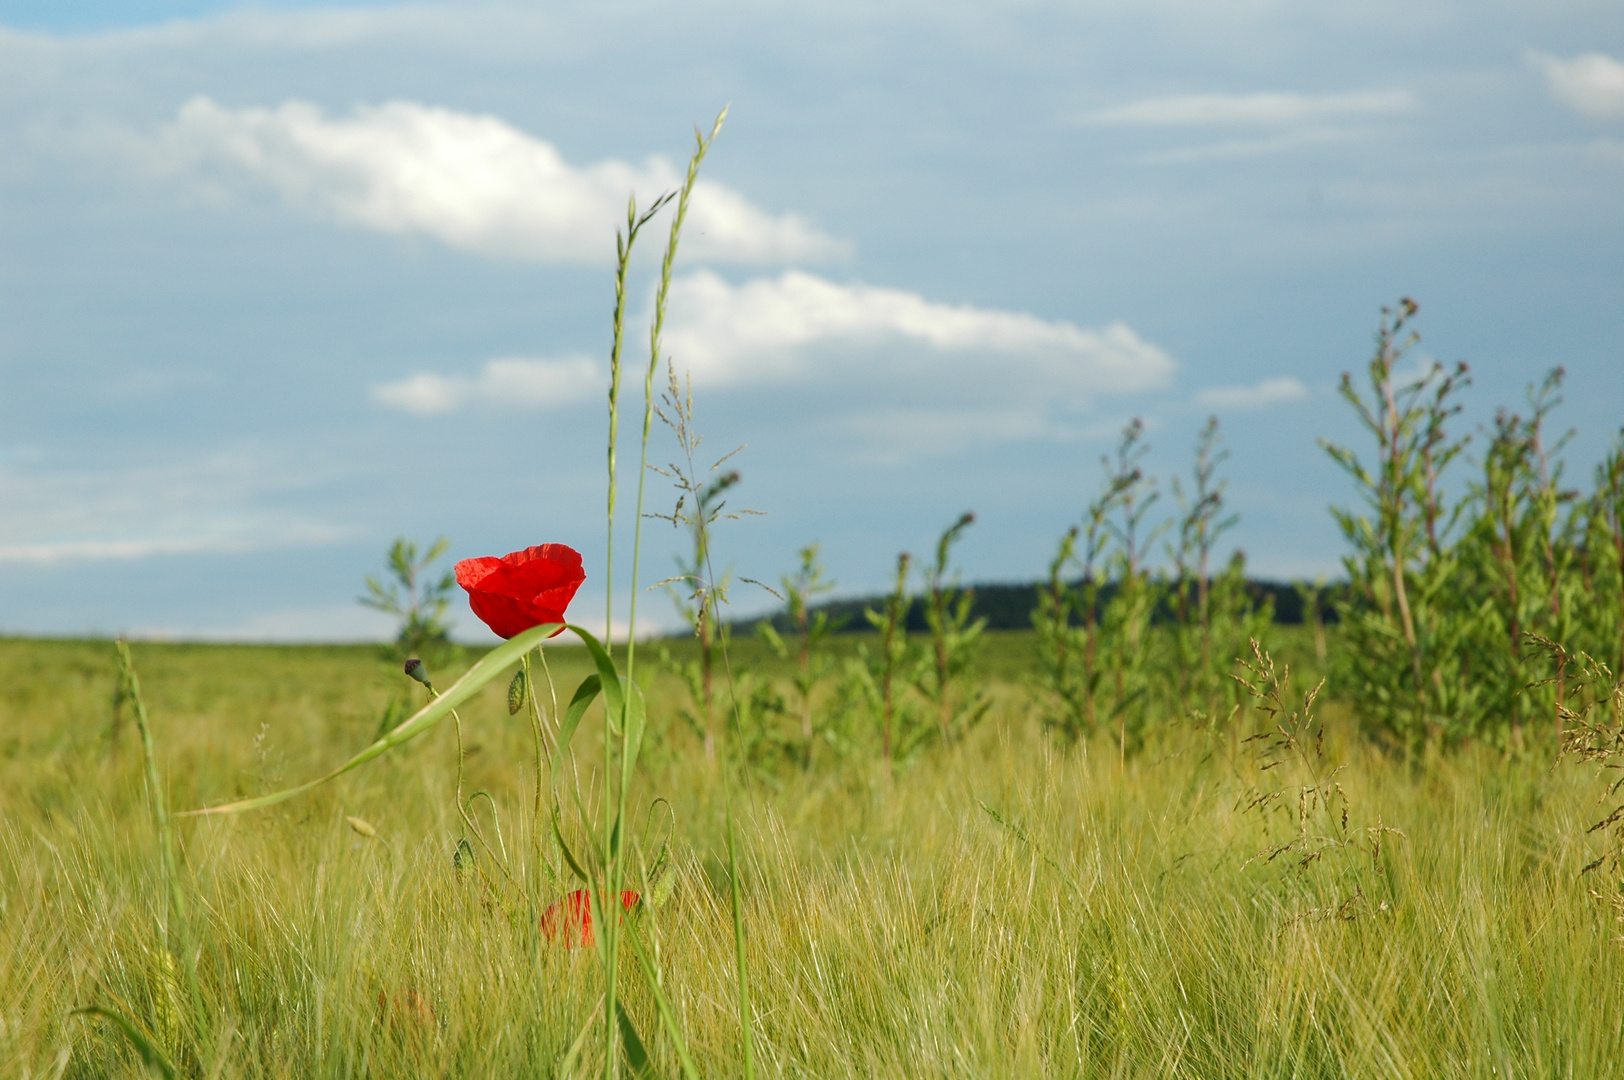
[(473, 182), (799, 326), (844, 353), (1251, 110), (1266, 393), (508, 382), (1591, 82)]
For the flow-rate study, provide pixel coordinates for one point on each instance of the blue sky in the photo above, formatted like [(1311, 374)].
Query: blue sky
[(279, 283)]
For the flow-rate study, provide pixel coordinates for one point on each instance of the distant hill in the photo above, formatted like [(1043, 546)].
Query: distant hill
[(1008, 606)]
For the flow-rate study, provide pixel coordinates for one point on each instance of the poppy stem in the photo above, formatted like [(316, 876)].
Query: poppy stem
[(468, 823), (536, 730)]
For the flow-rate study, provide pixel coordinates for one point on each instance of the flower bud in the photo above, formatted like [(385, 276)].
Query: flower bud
[(462, 859), (415, 669), (518, 692)]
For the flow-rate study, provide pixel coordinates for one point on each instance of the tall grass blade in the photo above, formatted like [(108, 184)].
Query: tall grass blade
[(160, 807), (746, 1028), (152, 1057), (1020, 834), (569, 856), (632, 1045), (175, 927), (566, 1068), (668, 1016)]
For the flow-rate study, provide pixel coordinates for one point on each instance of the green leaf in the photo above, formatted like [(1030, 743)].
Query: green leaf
[(151, 1056), (636, 723), (608, 675), (487, 668)]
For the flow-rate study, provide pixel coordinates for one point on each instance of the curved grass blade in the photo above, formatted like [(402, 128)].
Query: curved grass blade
[(152, 1057), (569, 856), (487, 668)]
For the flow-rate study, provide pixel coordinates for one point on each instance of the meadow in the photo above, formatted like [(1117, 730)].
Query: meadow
[(1003, 906), (1156, 835)]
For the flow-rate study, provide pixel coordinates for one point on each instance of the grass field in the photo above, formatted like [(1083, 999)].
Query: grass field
[(1001, 907)]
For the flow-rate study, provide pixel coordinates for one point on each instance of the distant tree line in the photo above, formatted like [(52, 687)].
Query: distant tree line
[(1010, 606)]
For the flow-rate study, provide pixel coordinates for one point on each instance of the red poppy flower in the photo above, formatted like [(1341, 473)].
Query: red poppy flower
[(571, 918), (524, 589)]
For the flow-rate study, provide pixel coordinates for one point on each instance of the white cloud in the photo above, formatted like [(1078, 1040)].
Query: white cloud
[(332, 622), (798, 326), (1251, 110), (509, 382), (900, 435), (1591, 82), (1279, 143), (217, 539), (474, 182), (215, 504), (1266, 393), (964, 371)]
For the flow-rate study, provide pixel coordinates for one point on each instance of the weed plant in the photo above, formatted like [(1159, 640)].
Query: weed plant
[(811, 629), (1444, 594), (1122, 646), (415, 596)]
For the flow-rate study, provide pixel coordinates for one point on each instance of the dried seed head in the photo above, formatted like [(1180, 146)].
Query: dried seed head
[(362, 826)]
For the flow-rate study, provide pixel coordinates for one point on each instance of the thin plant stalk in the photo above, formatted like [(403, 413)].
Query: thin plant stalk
[(615, 803), (747, 1036), (173, 926), (623, 253), (656, 330)]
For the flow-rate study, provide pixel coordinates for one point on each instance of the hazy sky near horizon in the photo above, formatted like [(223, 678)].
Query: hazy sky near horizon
[(280, 282)]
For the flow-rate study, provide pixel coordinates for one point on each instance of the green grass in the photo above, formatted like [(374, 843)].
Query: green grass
[(1106, 923)]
